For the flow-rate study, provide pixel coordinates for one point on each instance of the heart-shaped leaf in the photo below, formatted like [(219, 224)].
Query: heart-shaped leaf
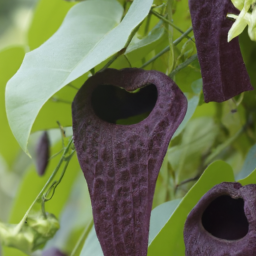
[(90, 33)]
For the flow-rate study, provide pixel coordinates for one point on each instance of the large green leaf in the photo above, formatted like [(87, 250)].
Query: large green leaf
[(160, 216), (90, 34), (10, 61), (47, 19), (169, 241)]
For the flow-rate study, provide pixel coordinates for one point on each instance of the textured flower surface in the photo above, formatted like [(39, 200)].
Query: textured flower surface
[(222, 66), (223, 222), (121, 162)]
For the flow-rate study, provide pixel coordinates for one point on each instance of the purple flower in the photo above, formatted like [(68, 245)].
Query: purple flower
[(42, 153), (223, 70), (223, 222), (121, 162)]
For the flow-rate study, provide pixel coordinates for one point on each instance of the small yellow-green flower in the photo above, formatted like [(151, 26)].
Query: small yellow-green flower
[(243, 19)]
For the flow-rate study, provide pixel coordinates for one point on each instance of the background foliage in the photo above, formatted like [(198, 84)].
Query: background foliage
[(42, 91)]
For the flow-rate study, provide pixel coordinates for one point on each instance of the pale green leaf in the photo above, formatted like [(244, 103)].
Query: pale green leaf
[(90, 34), (169, 241), (92, 245), (237, 27), (160, 216)]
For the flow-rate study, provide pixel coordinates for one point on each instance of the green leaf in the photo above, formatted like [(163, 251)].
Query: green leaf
[(10, 61), (169, 241), (47, 19), (92, 245), (90, 34), (249, 164), (160, 216)]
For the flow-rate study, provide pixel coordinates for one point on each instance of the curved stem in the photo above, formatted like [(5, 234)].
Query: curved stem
[(166, 49), (19, 226), (170, 23)]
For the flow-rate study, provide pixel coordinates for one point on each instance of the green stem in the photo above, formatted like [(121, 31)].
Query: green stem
[(82, 238), (166, 49), (183, 65), (19, 226), (221, 147), (72, 86), (54, 99), (113, 59), (55, 184), (170, 23), (121, 52)]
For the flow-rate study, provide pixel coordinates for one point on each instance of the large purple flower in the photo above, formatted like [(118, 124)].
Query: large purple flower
[(223, 222), (121, 162), (223, 70)]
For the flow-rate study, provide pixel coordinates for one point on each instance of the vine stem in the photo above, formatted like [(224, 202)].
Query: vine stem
[(183, 65), (166, 49), (19, 226), (170, 23), (82, 238)]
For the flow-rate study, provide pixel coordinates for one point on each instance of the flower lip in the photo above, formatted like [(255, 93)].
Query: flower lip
[(203, 238), (111, 103), (121, 163), (224, 218)]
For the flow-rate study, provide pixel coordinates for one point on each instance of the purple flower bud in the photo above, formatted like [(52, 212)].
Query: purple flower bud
[(53, 252), (223, 222), (42, 153), (121, 162), (223, 70)]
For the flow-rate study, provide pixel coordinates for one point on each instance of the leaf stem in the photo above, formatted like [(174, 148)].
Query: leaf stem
[(19, 226), (113, 59), (183, 65), (170, 23), (166, 49), (72, 86), (55, 99)]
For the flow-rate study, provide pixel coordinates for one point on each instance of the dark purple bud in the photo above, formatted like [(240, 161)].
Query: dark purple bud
[(223, 70), (42, 153), (53, 252), (223, 222), (121, 162)]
